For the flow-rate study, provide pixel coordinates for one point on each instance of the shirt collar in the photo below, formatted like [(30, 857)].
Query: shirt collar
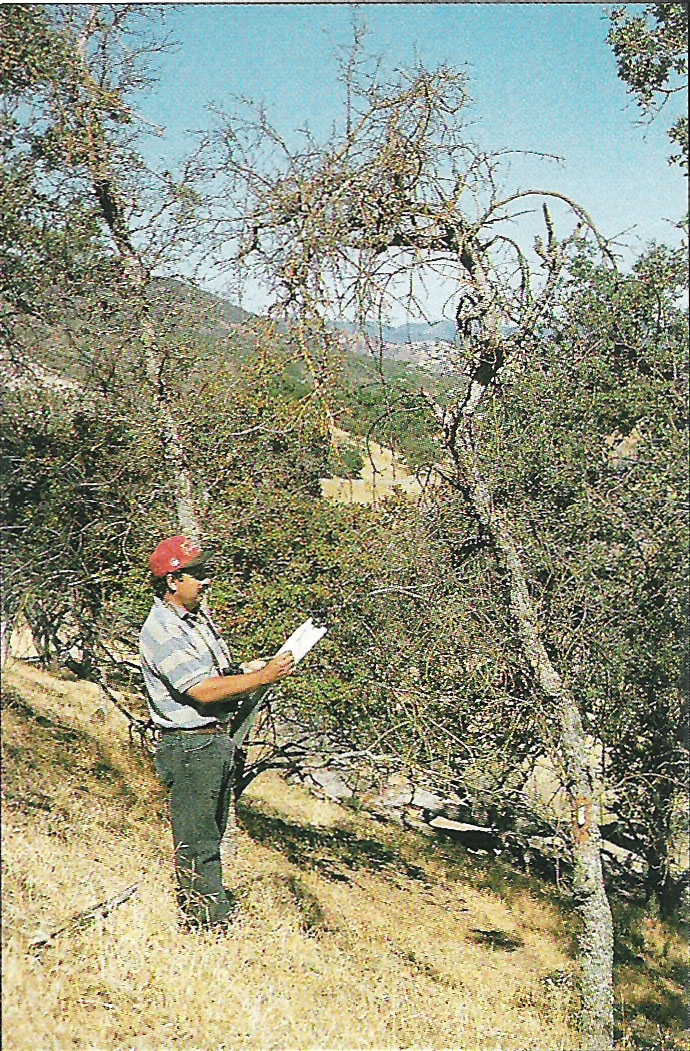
[(179, 611)]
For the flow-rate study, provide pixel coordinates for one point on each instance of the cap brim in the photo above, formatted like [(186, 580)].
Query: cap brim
[(200, 560)]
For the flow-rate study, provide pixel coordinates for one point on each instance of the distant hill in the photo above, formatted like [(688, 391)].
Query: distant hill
[(220, 314), (228, 314), (214, 333), (443, 331), (181, 309)]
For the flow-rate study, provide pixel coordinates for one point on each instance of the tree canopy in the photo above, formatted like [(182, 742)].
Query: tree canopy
[(651, 47), (533, 601)]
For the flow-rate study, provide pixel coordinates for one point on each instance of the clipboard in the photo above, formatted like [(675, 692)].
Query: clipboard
[(300, 643)]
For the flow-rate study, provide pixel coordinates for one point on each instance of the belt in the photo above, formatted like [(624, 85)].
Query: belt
[(215, 728)]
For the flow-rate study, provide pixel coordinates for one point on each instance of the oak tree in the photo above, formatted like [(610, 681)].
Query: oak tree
[(397, 198)]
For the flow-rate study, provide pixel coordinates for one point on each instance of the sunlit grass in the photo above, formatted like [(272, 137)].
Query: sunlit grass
[(352, 935)]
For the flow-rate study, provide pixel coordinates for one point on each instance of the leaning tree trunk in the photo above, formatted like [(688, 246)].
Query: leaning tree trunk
[(571, 753), (596, 933), (138, 278), (174, 455), (107, 193)]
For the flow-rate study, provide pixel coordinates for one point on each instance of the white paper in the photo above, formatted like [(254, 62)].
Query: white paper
[(300, 643), (303, 640)]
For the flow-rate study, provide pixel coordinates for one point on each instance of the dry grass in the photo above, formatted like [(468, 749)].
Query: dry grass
[(382, 475), (353, 935)]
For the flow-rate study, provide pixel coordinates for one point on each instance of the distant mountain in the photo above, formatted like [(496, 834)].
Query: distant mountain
[(443, 331), (221, 333), (424, 344), (419, 332), (217, 314)]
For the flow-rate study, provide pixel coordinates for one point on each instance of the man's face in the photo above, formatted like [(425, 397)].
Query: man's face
[(188, 588)]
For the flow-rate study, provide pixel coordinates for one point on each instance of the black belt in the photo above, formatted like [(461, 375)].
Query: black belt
[(215, 728)]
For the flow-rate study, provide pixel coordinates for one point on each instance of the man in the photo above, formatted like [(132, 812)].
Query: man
[(194, 689)]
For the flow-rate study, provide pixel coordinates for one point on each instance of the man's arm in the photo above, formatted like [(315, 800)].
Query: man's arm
[(223, 687)]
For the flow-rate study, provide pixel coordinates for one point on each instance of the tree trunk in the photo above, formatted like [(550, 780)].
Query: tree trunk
[(11, 610), (107, 194), (174, 456), (572, 756), (6, 631)]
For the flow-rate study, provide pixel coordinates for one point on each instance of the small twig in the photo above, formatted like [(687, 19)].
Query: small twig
[(84, 918)]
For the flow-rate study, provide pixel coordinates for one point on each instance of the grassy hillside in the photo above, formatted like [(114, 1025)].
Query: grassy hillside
[(353, 934), (381, 475), (206, 333)]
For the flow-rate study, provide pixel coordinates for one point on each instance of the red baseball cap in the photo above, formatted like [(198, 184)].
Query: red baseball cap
[(173, 554)]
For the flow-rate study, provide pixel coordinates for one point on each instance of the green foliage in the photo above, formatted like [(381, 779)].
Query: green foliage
[(586, 451), (346, 462), (651, 47), (50, 236), (239, 431), (387, 404), (403, 671), (78, 506), (32, 55)]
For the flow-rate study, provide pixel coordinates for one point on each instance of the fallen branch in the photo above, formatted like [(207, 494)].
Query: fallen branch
[(84, 918)]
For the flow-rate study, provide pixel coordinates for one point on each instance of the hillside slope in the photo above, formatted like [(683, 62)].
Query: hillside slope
[(352, 935), (381, 476)]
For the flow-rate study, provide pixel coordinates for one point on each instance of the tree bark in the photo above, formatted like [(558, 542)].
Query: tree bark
[(572, 756), (97, 155), (174, 456), (6, 632)]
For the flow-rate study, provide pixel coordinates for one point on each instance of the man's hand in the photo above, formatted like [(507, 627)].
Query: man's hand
[(223, 687), (250, 666), (279, 668)]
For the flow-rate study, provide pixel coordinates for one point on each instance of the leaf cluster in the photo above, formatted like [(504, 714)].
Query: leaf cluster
[(651, 47)]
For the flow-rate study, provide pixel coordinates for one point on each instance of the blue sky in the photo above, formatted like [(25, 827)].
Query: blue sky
[(542, 78)]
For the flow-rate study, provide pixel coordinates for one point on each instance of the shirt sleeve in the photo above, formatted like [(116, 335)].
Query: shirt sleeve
[(175, 659)]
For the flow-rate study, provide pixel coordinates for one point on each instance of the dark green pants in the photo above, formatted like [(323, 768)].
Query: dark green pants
[(198, 768)]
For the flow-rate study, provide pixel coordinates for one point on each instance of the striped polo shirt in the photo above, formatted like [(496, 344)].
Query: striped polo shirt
[(178, 650)]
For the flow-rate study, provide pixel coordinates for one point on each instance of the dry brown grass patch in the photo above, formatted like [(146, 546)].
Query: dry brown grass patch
[(352, 935)]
